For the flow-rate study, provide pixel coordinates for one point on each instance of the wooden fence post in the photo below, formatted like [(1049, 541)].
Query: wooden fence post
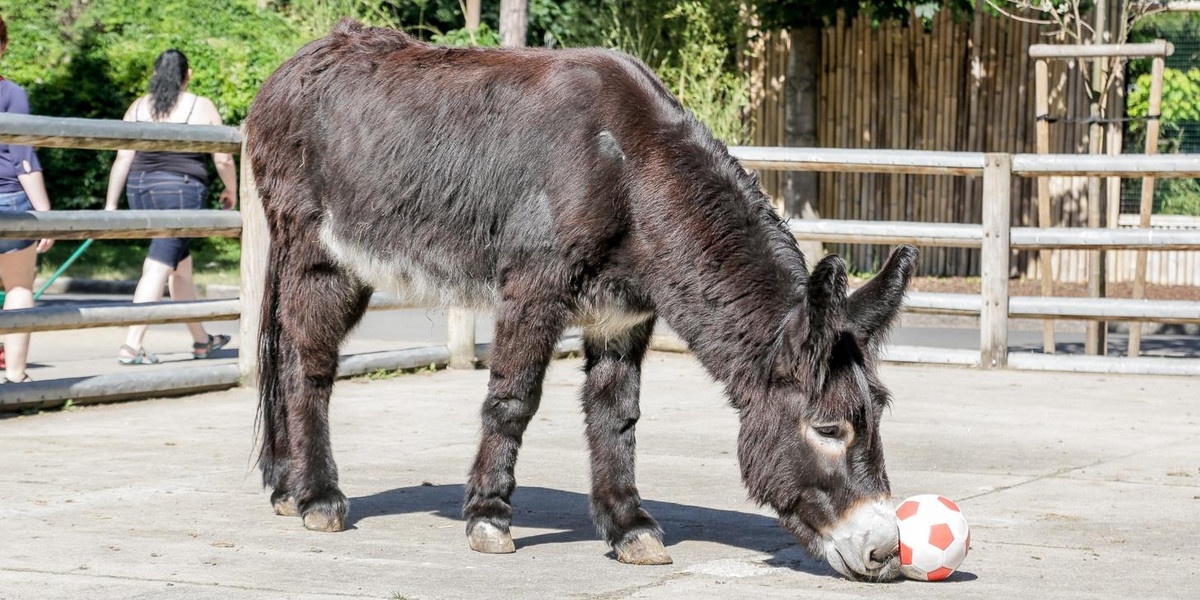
[(1042, 125), (994, 260), (256, 241), (460, 334), (1146, 208)]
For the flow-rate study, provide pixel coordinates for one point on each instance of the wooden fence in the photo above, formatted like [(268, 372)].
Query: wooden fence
[(965, 84), (995, 237), (249, 223)]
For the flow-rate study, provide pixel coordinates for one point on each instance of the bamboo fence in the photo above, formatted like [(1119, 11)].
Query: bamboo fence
[(963, 84)]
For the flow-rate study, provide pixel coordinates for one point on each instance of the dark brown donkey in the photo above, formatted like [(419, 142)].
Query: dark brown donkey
[(559, 188)]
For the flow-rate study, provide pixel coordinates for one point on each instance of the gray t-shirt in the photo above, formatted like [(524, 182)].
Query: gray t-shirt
[(13, 159)]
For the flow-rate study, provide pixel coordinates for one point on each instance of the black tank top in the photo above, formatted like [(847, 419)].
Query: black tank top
[(191, 164)]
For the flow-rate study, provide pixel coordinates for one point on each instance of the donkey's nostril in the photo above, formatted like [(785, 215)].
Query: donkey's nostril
[(882, 555)]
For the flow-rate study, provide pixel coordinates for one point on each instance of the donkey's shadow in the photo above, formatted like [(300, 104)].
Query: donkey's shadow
[(567, 512)]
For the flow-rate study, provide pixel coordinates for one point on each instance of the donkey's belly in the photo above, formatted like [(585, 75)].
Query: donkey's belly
[(417, 282)]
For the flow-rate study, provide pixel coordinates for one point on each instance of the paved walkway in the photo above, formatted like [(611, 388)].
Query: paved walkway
[(1076, 486)]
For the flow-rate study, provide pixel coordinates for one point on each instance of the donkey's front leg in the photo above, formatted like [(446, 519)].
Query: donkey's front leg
[(610, 403), (527, 330)]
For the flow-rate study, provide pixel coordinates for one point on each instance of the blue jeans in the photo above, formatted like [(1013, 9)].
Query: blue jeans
[(165, 190), (10, 203)]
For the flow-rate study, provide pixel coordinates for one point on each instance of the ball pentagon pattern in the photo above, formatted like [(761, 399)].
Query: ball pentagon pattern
[(934, 537)]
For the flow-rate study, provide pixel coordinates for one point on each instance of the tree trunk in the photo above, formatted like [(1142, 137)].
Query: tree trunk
[(472, 16), (513, 23), (800, 128)]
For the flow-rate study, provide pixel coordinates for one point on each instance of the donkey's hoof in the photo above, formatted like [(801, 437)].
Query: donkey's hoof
[(285, 506), (645, 549), (488, 539), (321, 521)]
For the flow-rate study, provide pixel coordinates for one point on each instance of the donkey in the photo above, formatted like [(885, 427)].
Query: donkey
[(559, 188)]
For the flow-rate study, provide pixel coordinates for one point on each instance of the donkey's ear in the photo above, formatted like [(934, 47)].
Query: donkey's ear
[(827, 304), (874, 306)]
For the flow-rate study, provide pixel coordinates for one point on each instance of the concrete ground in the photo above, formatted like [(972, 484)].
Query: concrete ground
[(1075, 486)]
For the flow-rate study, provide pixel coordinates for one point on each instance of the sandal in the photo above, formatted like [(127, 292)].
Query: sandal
[(204, 350), (25, 379), (140, 356)]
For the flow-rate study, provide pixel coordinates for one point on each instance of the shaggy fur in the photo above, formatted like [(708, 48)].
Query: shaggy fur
[(558, 187)]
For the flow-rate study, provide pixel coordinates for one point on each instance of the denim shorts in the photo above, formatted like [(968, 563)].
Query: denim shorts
[(165, 190), (14, 202)]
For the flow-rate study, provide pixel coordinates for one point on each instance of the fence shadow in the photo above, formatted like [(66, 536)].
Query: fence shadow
[(567, 512)]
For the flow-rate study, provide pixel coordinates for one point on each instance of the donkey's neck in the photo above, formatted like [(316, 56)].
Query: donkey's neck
[(727, 274)]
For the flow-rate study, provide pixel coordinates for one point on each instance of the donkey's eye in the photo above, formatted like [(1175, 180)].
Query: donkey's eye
[(829, 431)]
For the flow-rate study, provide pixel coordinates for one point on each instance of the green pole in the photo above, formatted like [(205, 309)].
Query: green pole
[(61, 269)]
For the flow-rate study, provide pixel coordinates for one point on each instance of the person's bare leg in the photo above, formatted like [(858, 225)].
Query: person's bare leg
[(149, 289), (17, 269), (182, 286)]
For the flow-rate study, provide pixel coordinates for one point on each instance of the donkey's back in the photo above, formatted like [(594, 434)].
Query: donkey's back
[(428, 171)]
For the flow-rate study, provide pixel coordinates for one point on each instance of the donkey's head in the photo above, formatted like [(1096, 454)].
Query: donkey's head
[(809, 446)]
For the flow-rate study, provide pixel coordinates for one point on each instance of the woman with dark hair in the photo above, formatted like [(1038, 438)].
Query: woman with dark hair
[(21, 189), (169, 181)]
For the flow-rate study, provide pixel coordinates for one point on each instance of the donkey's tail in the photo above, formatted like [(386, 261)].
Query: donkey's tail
[(272, 406)]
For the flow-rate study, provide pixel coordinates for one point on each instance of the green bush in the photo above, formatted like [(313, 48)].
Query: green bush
[(1180, 110)]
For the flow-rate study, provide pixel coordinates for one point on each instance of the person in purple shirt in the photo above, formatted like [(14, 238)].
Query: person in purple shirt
[(21, 189)]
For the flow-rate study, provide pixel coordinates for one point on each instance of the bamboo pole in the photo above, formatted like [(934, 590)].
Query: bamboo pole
[(1147, 200)]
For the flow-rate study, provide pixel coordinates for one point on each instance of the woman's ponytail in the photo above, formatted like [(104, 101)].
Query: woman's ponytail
[(170, 73)]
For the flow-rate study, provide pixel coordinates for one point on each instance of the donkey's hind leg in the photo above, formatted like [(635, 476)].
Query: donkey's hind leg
[(610, 405), (319, 305), (528, 324)]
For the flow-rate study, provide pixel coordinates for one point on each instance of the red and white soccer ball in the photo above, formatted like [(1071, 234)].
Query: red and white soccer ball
[(934, 537)]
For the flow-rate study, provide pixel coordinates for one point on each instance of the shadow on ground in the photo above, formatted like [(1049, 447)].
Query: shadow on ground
[(567, 512)]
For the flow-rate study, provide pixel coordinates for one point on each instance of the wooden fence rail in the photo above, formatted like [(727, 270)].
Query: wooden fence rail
[(995, 236), (104, 134), (124, 224)]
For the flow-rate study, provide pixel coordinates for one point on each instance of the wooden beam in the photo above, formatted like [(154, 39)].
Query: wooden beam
[(1082, 309), (1044, 218), (255, 256), (1104, 364), (928, 355), (150, 382), (1065, 51), (122, 224), (859, 160), (864, 160), (104, 134), (994, 261), (460, 335), (1106, 309), (956, 235), (1084, 238), (58, 318), (888, 232), (1146, 206), (392, 360), (1125, 165)]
